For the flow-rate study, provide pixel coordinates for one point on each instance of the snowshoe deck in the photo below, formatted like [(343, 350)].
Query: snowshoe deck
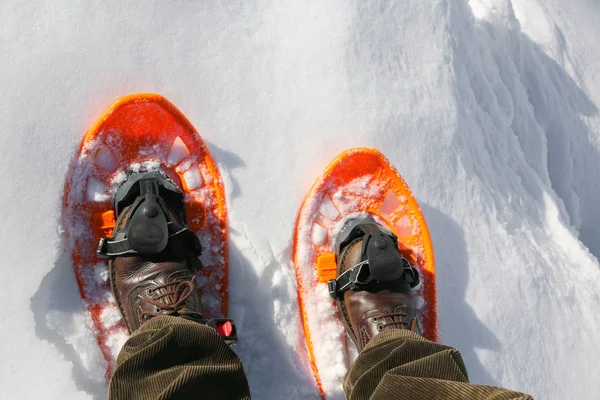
[(141, 132), (358, 183)]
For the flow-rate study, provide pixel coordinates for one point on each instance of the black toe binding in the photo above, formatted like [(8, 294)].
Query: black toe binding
[(150, 230), (381, 266)]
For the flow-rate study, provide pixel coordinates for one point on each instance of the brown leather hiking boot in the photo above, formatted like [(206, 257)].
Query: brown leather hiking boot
[(374, 283), (147, 287), (153, 255)]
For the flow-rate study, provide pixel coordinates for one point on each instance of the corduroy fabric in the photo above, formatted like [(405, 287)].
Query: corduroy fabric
[(172, 358), (399, 364)]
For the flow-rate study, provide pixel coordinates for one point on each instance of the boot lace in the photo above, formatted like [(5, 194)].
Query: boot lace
[(179, 290), (402, 322)]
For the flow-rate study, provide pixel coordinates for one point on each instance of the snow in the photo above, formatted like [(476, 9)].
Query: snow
[(488, 108), (390, 203), (327, 209), (192, 178), (319, 234), (105, 159), (178, 152), (96, 190)]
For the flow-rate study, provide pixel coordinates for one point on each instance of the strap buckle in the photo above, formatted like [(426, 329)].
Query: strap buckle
[(355, 278), (226, 328), (101, 250), (332, 288)]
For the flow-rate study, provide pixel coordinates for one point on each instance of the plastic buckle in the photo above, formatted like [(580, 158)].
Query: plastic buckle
[(361, 275), (226, 328), (355, 278), (332, 288), (413, 279), (101, 249)]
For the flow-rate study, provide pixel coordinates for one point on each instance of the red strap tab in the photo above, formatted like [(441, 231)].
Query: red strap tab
[(225, 329)]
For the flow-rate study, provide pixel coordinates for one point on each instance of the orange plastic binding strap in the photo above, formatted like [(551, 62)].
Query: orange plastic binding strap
[(103, 224), (326, 267)]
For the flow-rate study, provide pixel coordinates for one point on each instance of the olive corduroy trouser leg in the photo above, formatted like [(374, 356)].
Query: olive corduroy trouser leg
[(172, 358), (400, 364)]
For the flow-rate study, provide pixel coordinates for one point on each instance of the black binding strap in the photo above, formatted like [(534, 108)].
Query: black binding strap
[(148, 230), (183, 242), (381, 264)]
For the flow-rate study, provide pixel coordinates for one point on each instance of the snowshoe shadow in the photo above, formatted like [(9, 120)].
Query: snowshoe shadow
[(60, 318), (231, 161), (263, 309), (459, 326)]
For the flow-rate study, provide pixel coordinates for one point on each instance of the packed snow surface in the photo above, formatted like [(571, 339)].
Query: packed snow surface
[(488, 108)]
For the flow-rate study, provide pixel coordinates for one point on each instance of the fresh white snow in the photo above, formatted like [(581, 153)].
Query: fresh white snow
[(488, 108)]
